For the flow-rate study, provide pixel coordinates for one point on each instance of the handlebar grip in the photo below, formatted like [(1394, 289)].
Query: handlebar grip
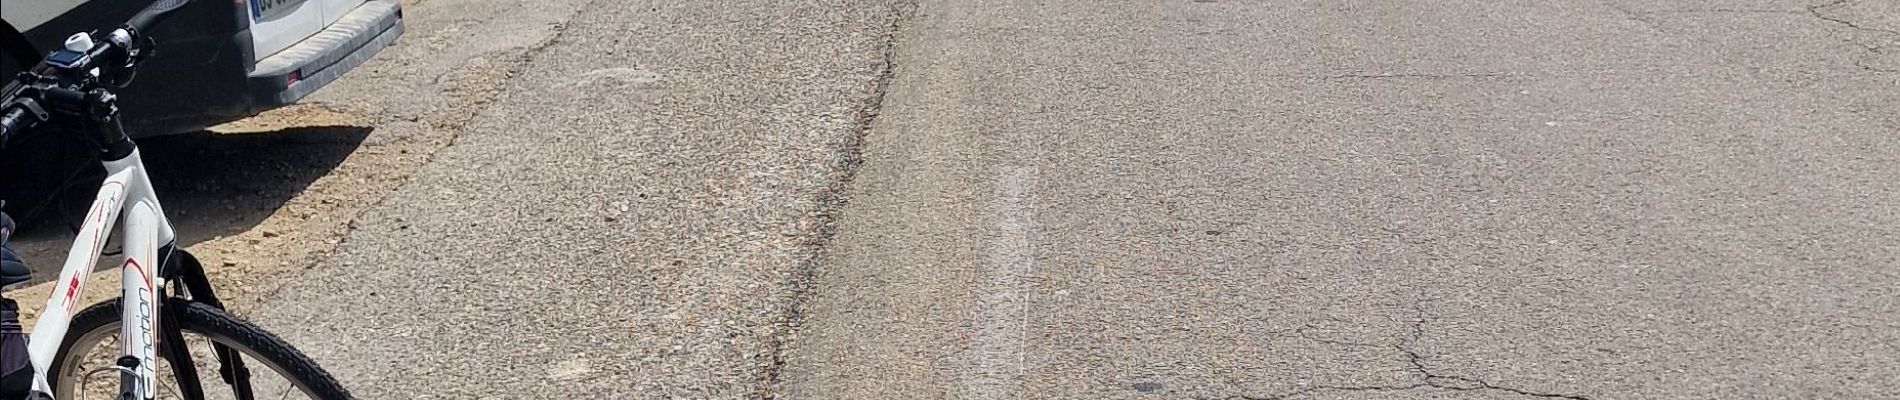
[(10, 122), (145, 19)]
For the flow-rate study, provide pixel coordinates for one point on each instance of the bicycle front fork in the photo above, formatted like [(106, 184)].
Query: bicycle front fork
[(185, 270)]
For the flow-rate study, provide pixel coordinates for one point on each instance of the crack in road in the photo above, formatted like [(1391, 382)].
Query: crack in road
[(1815, 11), (1432, 379), (1407, 346), (1357, 76), (831, 198)]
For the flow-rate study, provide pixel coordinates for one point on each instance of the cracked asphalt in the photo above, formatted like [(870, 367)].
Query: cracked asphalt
[(1228, 199), (1207, 199)]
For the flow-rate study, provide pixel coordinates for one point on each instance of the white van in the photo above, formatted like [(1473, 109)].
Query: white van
[(218, 60)]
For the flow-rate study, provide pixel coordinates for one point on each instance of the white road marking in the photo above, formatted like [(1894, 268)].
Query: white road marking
[(996, 360)]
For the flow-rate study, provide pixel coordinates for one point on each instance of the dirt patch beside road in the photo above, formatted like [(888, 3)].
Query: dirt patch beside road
[(255, 200)]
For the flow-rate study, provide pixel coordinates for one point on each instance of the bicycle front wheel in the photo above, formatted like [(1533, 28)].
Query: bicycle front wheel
[(276, 370)]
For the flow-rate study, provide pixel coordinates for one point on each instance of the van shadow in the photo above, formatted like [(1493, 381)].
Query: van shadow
[(211, 185)]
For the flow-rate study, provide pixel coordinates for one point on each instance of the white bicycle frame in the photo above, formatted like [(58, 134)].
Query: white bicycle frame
[(126, 194)]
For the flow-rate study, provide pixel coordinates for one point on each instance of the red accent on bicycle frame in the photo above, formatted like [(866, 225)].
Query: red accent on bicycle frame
[(129, 262), (147, 275), (72, 289), (95, 215)]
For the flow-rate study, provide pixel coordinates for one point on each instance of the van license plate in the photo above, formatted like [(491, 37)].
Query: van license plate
[(262, 10)]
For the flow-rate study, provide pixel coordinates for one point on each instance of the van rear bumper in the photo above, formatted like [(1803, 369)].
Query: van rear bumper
[(295, 72)]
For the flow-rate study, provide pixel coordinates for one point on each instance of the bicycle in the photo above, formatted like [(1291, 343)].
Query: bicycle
[(73, 85)]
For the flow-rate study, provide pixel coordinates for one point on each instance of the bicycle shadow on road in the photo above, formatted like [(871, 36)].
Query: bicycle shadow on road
[(212, 185)]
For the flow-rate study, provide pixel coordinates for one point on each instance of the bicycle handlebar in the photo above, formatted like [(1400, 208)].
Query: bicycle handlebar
[(10, 121), (147, 18), (17, 116)]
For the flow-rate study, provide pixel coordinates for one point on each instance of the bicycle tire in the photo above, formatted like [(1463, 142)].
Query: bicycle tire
[(202, 319)]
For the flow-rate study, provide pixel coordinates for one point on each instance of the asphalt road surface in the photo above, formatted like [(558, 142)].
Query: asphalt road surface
[(1222, 199)]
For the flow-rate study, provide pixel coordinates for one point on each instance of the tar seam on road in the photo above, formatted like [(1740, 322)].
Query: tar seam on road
[(831, 199), (996, 358)]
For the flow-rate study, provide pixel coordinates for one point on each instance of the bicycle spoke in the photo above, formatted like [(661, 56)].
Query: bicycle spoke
[(167, 388), (262, 380)]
